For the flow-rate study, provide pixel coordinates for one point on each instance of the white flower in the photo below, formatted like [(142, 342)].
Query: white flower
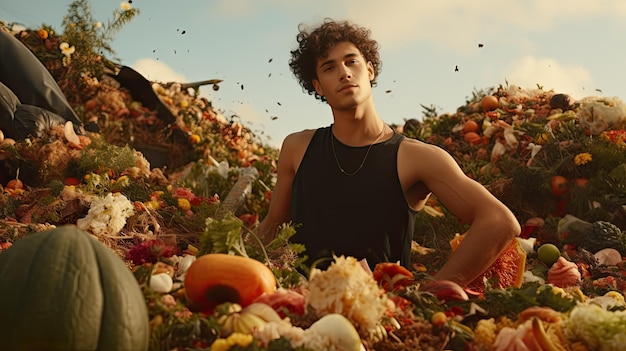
[(66, 49), (107, 215), (125, 6), (98, 25), (346, 288)]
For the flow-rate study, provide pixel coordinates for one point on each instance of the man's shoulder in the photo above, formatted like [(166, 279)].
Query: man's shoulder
[(302, 137), (415, 144), (413, 147)]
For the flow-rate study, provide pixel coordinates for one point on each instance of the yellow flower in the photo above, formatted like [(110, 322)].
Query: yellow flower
[(194, 138), (152, 204), (184, 204), (123, 181), (239, 339), (125, 6), (582, 158), (220, 345)]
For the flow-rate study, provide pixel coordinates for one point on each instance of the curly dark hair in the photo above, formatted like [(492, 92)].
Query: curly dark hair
[(314, 45)]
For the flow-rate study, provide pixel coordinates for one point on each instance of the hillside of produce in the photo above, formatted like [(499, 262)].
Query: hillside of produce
[(143, 197)]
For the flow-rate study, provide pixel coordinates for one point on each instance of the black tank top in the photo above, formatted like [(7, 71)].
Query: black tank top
[(365, 215)]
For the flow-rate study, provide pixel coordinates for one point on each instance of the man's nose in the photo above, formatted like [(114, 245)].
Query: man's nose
[(345, 72)]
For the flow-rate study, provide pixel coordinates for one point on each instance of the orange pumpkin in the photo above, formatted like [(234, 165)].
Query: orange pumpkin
[(216, 278)]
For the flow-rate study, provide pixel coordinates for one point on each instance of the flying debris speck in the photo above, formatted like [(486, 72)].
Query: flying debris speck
[(387, 91), (274, 118), (183, 32), (599, 90), (279, 104), (480, 45), (241, 86), (269, 75), (456, 68), (270, 60)]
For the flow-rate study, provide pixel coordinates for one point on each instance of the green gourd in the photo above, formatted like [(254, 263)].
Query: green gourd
[(62, 289)]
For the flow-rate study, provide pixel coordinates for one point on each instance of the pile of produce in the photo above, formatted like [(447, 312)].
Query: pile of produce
[(134, 211)]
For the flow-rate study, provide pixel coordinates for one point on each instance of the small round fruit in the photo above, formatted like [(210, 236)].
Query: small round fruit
[(559, 185), (15, 184), (489, 103), (548, 254), (470, 126), (581, 182), (472, 138)]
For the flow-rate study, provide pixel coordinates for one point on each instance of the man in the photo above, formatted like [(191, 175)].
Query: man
[(354, 188)]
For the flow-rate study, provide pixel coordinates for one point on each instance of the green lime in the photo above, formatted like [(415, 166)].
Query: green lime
[(548, 254)]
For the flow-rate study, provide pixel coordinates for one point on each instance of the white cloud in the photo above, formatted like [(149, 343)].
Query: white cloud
[(249, 113), (529, 71), (451, 23), (157, 71)]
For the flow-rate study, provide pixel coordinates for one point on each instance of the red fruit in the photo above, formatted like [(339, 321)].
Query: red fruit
[(392, 276), (71, 181), (581, 182), (445, 290), (559, 185), (507, 271), (15, 184), (91, 104)]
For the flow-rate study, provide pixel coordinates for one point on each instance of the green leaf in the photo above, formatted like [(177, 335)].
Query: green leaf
[(222, 236)]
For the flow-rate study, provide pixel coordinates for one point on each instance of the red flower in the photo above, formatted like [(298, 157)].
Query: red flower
[(150, 251)]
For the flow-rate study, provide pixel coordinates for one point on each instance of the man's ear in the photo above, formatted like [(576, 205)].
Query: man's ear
[(318, 87), (370, 70)]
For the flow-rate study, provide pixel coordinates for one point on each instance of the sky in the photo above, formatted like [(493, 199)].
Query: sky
[(434, 53)]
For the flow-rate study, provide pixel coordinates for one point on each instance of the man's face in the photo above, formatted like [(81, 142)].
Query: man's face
[(343, 76)]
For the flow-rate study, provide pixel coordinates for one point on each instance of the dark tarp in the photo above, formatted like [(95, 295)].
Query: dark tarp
[(141, 90), (30, 81)]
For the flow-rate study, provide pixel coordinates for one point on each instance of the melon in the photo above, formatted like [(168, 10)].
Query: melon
[(507, 271)]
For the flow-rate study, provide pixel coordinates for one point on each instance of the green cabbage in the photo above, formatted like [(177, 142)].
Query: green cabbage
[(599, 328)]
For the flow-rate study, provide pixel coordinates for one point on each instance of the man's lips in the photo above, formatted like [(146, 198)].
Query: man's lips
[(347, 86)]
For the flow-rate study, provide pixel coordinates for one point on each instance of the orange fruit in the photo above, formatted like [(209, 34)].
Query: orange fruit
[(581, 182), (470, 126), (506, 271), (91, 104), (42, 34), (472, 138), (489, 103), (15, 184)]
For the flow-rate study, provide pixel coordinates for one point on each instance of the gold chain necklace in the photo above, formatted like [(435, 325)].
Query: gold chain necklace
[(332, 145)]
